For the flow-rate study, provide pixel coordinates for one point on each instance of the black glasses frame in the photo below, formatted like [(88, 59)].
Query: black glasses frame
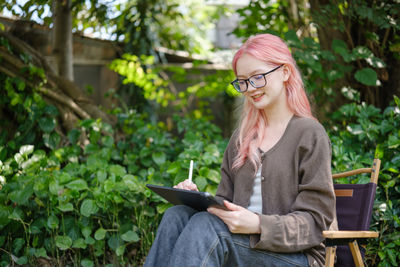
[(237, 86)]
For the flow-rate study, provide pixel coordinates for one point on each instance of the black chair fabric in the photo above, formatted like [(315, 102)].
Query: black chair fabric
[(353, 213)]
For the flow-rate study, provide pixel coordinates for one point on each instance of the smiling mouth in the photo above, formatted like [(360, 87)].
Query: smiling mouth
[(257, 96)]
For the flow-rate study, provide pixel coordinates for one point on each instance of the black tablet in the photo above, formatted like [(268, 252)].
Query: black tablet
[(195, 199)]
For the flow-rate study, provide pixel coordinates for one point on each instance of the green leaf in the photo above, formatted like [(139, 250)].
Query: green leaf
[(51, 140), (17, 215), (51, 110), (393, 170), (22, 260), (392, 256), (47, 124), (131, 182), (41, 253), (73, 136), (379, 151), (108, 186), (118, 170), (100, 234), (87, 263), (366, 76), (79, 243), (20, 85), (63, 242), (16, 100), (159, 158), (89, 240), (114, 242), (340, 47), (201, 182), (21, 197), (66, 207), (18, 244), (54, 188), (52, 222), (64, 178), (88, 207), (87, 123), (108, 141), (162, 207), (26, 150), (77, 185), (4, 215), (86, 231), (120, 250), (393, 142), (173, 168), (130, 236), (101, 176), (397, 100), (214, 176)]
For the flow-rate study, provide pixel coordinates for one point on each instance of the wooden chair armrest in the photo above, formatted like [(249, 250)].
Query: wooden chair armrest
[(349, 234)]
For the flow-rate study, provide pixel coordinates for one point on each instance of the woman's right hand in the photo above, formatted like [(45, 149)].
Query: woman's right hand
[(187, 185)]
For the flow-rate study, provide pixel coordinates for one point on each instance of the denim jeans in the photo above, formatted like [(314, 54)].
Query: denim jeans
[(187, 238)]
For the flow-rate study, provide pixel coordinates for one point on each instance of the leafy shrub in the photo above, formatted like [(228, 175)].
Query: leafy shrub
[(359, 133), (88, 204), (199, 87)]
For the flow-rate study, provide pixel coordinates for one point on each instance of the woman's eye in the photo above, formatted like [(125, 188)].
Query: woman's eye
[(241, 82), (258, 77)]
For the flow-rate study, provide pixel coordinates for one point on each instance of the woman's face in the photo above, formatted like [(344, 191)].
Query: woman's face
[(270, 95)]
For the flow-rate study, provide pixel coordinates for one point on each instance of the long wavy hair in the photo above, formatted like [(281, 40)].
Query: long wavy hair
[(268, 48)]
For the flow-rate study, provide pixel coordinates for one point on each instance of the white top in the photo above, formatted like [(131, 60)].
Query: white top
[(256, 199)]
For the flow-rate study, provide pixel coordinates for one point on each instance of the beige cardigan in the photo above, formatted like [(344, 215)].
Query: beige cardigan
[(297, 190)]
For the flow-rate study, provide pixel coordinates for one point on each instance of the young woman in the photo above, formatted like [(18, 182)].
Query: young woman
[(275, 177)]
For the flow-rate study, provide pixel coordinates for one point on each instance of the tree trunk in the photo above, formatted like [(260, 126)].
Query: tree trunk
[(62, 38), (61, 92)]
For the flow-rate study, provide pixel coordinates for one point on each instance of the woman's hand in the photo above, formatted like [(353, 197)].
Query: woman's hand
[(188, 185), (238, 219)]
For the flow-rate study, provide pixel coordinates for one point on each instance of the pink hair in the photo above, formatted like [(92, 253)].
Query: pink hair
[(268, 48)]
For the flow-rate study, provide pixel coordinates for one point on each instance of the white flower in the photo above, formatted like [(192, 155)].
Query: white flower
[(2, 180)]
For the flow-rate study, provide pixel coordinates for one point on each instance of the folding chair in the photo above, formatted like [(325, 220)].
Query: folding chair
[(354, 204)]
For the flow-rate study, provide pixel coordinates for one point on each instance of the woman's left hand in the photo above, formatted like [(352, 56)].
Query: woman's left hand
[(238, 219)]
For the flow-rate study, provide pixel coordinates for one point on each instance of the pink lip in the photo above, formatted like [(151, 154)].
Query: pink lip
[(256, 99)]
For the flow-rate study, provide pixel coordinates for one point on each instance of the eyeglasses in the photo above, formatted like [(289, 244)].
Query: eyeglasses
[(257, 81)]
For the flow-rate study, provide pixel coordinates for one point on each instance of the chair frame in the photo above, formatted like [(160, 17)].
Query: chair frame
[(351, 238)]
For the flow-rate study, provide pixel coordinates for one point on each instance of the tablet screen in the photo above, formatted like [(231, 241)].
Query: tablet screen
[(195, 199)]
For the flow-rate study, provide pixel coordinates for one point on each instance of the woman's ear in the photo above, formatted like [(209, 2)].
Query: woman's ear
[(286, 73)]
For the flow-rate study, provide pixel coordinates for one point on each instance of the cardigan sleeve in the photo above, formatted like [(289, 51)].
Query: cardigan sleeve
[(313, 209)]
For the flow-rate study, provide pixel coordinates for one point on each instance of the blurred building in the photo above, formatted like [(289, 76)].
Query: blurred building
[(222, 36)]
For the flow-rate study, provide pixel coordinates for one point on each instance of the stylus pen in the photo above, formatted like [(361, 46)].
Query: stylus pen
[(191, 170)]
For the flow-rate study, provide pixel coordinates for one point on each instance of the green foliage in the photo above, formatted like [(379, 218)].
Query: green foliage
[(88, 203), (262, 16), (360, 133), (158, 87), (86, 13), (26, 118), (141, 72), (144, 25)]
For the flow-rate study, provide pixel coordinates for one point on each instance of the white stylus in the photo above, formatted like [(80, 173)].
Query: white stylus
[(191, 170)]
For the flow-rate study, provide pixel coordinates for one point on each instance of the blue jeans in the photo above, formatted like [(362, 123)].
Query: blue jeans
[(187, 238)]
